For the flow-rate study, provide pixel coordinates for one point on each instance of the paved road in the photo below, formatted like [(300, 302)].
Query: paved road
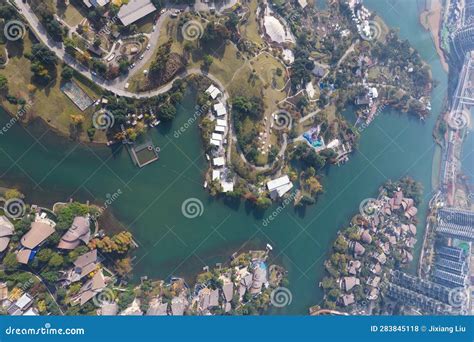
[(116, 86)]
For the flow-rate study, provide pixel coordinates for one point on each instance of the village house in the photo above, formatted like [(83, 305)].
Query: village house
[(79, 231)]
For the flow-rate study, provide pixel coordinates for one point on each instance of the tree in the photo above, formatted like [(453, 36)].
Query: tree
[(41, 52), (313, 185), (97, 42), (3, 84), (67, 73), (207, 61), (56, 260), (123, 266), (263, 203), (77, 119), (167, 112), (341, 245), (13, 193), (10, 263), (44, 255), (215, 33)]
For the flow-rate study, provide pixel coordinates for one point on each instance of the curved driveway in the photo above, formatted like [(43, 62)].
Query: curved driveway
[(116, 86)]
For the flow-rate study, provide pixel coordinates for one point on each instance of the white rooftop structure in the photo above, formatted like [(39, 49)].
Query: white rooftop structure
[(219, 161), (284, 189), (217, 136), (99, 3), (221, 122), (220, 110), (134, 10), (227, 186), (303, 3), (30, 312), (213, 91), (280, 186), (23, 301), (216, 174), (219, 129), (216, 142), (374, 92), (276, 183), (334, 143), (310, 89)]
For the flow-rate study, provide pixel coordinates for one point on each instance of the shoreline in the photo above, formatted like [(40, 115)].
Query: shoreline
[(51, 128), (431, 21)]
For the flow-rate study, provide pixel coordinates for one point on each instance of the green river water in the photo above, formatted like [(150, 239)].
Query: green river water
[(49, 169)]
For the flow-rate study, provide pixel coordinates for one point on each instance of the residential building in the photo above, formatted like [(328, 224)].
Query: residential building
[(6, 231), (135, 10), (40, 230), (79, 231)]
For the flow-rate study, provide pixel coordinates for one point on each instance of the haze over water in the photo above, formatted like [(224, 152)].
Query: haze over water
[(52, 169)]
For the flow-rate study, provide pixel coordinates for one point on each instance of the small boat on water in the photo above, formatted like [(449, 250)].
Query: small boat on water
[(205, 185), (269, 247)]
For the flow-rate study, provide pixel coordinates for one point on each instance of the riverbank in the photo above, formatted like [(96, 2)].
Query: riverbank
[(432, 20), (379, 239), (171, 244)]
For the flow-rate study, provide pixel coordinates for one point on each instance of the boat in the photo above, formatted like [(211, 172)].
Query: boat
[(205, 185), (269, 247)]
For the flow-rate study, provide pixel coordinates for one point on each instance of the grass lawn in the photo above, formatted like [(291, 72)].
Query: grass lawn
[(72, 14), (249, 29), (169, 30), (226, 63), (266, 66), (49, 103), (256, 78), (145, 24)]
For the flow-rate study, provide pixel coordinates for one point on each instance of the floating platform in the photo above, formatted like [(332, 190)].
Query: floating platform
[(144, 154)]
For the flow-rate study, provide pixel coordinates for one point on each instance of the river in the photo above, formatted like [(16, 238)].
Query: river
[(49, 169)]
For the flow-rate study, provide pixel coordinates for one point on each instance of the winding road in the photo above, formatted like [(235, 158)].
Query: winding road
[(116, 86)]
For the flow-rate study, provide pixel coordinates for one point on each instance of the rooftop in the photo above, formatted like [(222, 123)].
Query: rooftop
[(39, 232), (134, 10), (79, 231)]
